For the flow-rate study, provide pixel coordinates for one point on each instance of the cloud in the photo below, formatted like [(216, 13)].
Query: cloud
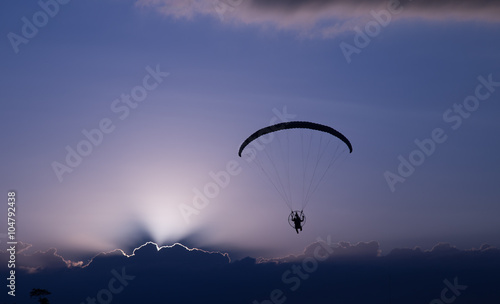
[(38, 260), (22, 247), (323, 273), (324, 18), (364, 250)]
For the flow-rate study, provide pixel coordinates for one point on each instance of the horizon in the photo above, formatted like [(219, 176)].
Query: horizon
[(150, 265)]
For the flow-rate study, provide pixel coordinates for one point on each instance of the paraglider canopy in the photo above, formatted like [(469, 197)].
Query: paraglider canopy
[(295, 125), (295, 157)]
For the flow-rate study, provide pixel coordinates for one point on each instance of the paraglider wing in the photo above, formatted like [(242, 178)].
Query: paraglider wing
[(296, 157), (294, 125)]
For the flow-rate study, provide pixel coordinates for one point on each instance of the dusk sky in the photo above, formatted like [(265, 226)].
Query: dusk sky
[(117, 116)]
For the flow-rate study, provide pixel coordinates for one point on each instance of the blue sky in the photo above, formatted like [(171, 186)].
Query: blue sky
[(226, 79)]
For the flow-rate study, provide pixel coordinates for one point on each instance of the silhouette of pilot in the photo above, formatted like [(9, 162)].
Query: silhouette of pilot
[(297, 221)]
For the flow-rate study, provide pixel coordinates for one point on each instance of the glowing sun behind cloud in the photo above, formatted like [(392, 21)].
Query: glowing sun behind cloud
[(159, 215)]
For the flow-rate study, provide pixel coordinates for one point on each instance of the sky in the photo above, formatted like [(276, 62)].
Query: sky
[(122, 122)]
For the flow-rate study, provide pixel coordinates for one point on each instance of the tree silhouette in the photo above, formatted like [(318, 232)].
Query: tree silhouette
[(40, 294)]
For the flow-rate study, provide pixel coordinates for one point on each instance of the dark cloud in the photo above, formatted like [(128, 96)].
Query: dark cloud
[(325, 18), (430, 5), (324, 273), (342, 249), (485, 9), (36, 261)]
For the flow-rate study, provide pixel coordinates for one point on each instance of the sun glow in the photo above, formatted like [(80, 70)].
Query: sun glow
[(160, 216)]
